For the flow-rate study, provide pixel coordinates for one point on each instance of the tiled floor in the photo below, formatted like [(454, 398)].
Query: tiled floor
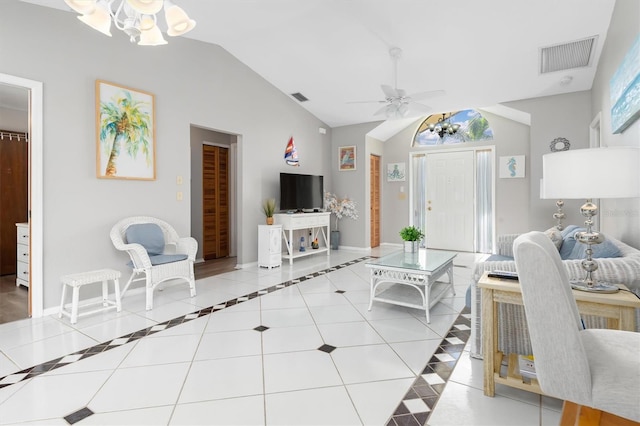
[(293, 345)]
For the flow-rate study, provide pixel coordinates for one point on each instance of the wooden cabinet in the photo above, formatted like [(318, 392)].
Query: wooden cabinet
[(269, 246), (22, 264)]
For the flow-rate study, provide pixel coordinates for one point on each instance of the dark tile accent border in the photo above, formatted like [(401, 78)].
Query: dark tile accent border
[(81, 414), (421, 399), (34, 371)]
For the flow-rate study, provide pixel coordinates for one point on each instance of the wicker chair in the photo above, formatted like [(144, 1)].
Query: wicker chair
[(175, 261)]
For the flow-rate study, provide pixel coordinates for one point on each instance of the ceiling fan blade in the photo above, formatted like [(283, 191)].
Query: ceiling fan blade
[(425, 95), (401, 93), (418, 107), (389, 92), (367, 102), (383, 110)]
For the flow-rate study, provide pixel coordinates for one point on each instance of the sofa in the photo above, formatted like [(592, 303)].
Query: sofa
[(617, 263)]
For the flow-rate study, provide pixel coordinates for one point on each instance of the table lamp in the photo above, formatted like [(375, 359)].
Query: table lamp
[(612, 172)]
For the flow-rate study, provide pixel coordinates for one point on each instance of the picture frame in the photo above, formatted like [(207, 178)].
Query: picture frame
[(512, 166), (396, 172), (623, 89), (125, 149), (346, 158)]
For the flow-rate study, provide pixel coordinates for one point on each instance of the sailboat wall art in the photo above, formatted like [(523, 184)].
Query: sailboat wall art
[(291, 154)]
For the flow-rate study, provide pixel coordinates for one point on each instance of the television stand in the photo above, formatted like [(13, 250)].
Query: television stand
[(318, 223)]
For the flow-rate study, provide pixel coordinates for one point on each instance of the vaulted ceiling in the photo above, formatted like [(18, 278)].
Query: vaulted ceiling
[(335, 52)]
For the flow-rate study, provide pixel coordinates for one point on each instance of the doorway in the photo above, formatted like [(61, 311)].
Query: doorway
[(374, 197), (452, 193), (215, 202), (34, 92)]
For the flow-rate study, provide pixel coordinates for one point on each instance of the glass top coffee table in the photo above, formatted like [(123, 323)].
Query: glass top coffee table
[(413, 278)]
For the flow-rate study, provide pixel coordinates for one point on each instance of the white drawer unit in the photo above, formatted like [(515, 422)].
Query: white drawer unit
[(317, 223), (269, 246), (22, 269)]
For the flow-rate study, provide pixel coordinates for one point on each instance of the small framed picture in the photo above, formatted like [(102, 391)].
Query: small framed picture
[(395, 172), (512, 166), (346, 158)]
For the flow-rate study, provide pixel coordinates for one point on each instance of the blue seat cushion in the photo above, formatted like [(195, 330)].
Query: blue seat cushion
[(148, 235), (160, 259), (568, 240)]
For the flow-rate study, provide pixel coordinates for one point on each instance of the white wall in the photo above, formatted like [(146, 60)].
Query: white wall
[(620, 218), (194, 84)]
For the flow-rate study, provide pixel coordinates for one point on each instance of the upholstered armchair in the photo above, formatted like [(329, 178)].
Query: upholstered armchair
[(592, 368), (157, 253)]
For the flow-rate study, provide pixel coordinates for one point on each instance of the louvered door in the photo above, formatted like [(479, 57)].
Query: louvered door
[(215, 201)]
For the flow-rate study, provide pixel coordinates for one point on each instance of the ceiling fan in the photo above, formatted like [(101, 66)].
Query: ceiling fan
[(397, 103)]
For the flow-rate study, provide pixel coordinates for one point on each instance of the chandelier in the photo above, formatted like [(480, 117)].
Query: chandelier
[(136, 18), (443, 127)]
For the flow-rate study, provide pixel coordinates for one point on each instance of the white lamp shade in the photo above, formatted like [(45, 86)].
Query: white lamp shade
[(82, 6), (152, 37), (99, 19), (612, 172), (177, 20), (148, 7)]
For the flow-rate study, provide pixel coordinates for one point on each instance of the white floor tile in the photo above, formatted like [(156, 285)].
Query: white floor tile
[(349, 334), (403, 330), (376, 401), (48, 349), (288, 339), (286, 317), (140, 387), (326, 406), (228, 344), (360, 364), (226, 412), (107, 360), (162, 350), (223, 378), (51, 397), (335, 314), (142, 416), (299, 370), (227, 320), (416, 354)]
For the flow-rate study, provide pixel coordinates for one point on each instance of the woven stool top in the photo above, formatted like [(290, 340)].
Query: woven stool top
[(90, 277)]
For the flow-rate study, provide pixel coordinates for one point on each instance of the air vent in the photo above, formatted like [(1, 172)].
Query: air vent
[(300, 97), (575, 54)]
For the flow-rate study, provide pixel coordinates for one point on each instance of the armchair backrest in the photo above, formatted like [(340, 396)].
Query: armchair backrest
[(552, 316)]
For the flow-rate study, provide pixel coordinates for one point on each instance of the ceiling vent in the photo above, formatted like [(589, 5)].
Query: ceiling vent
[(575, 54), (300, 97)]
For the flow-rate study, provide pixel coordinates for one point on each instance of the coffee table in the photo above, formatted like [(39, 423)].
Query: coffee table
[(413, 278)]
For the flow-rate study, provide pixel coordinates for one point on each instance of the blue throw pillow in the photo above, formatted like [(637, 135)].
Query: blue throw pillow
[(149, 235), (604, 249), (568, 240)]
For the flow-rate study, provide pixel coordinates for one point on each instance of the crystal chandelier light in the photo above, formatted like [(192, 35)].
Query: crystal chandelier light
[(137, 18), (443, 127)]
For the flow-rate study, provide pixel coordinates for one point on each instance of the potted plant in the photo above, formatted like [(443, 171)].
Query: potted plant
[(411, 236), (269, 207)]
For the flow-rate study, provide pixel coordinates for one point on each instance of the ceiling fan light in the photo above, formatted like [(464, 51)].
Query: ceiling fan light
[(177, 20), (147, 22), (99, 19), (82, 6), (148, 7), (403, 110), (152, 37)]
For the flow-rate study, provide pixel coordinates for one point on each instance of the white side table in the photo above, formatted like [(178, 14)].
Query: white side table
[(75, 281)]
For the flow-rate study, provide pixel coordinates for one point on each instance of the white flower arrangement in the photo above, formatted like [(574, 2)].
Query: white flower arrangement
[(340, 207)]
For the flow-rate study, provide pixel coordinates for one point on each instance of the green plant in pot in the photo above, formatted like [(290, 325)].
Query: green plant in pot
[(269, 207), (411, 236)]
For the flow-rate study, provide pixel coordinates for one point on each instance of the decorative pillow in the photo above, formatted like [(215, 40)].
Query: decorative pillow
[(604, 249), (568, 240), (555, 235), (149, 235)]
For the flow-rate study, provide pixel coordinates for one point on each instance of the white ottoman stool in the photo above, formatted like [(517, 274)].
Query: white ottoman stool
[(78, 280)]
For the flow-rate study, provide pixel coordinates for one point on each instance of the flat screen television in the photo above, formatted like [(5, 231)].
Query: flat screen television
[(301, 193)]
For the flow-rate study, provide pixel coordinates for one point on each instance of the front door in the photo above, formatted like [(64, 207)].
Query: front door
[(450, 203)]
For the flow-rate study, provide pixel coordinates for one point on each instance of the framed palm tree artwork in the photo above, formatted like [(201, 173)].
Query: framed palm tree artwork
[(125, 127)]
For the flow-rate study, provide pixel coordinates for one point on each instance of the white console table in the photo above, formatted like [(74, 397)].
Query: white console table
[(318, 223)]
